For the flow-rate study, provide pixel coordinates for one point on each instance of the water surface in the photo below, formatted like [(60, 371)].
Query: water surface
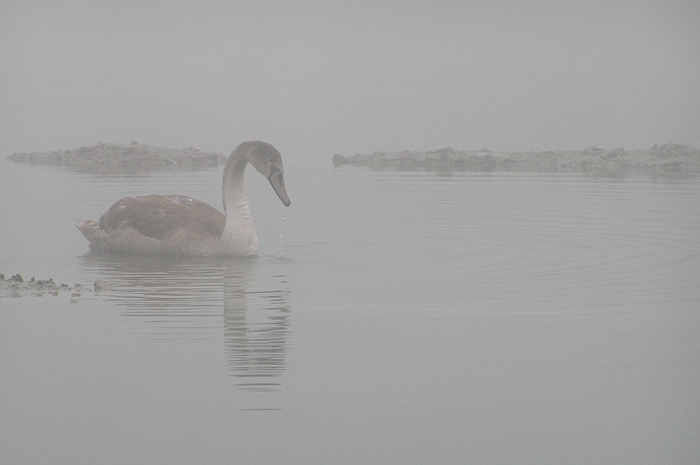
[(390, 318)]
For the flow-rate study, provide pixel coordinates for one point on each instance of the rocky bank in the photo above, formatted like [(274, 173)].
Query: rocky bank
[(664, 159), (124, 158)]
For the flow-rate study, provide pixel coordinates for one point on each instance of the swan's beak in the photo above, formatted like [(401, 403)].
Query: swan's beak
[(277, 182)]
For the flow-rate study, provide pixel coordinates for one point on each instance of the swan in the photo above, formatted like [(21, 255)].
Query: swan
[(180, 225)]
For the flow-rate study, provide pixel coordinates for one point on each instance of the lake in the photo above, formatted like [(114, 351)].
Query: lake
[(391, 318)]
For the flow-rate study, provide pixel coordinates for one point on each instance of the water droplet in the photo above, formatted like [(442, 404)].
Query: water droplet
[(281, 244)]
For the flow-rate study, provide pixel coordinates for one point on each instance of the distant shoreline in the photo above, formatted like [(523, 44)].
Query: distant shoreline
[(660, 159), (124, 158), (666, 159)]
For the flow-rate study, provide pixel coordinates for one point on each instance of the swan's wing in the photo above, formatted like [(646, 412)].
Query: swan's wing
[(158, 216)]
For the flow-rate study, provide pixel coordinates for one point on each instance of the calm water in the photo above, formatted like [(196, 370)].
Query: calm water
[(390, 318)]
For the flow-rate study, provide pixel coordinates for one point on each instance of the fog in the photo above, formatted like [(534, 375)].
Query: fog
[(316, 78)]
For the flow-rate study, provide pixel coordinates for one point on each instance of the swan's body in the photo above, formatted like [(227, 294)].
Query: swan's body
[(180, 225)]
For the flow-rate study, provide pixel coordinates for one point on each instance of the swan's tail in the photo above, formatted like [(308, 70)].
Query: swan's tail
[(89, 229)]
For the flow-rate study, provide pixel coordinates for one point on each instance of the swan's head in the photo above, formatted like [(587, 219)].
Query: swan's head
[(268, 162)]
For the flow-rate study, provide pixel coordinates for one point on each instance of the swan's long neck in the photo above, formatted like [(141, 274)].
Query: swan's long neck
[(239, 236)]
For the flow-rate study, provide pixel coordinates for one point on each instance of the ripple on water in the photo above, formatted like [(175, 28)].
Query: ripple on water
[(555, 242)]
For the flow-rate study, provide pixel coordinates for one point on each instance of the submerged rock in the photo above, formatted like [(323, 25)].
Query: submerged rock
[(659, 159), (16, 286), (102, 286)]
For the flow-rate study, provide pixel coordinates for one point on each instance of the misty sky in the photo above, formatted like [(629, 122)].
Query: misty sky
[(316, 77)]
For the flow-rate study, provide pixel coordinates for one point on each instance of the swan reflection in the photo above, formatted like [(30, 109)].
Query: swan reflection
[(181, 299), (256, 340)]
